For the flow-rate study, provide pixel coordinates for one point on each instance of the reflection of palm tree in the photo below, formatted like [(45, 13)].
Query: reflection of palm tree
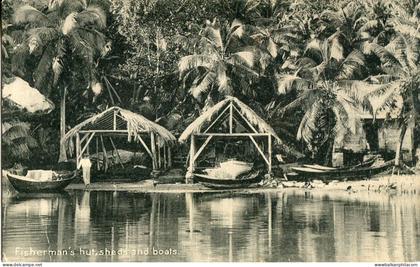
[(61, 224), (191, 210)]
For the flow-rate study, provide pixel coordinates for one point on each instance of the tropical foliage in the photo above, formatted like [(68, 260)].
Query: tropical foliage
[(309, 67)]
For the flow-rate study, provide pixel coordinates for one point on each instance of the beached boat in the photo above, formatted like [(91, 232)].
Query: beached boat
[(34, 182), (236, 167), (221, 183), (229, 169), (366, 163), (308, 173)]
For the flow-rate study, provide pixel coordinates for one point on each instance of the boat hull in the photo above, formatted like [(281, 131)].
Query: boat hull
[(307, 174), (24, 185), (214, 183)]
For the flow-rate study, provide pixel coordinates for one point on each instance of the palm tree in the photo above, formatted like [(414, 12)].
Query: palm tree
[(64, 41), (222, 63), (17, 141), (322, 78), (400, 61)]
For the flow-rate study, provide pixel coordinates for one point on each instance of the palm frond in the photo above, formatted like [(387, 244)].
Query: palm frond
[(408, 30), (348, 111), (314, 47), (237, 28), (353, 62), (223, 80), (412, 53), (87, 42), (69, 23), (42, 36), (14, 129), (30, 15), (246, 57), (203, 86), (63, 8), (396, 53), (195, 61), (304, 101), (214, 36), (336, 50), (311, 123), (93, 17), (356, 89), (289, 82), (43, 71), (383, 96), (272, 48), (368, 25)]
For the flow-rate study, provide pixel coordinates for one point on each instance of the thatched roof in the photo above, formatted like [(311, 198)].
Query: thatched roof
[(203, 120), (20, 94), (127, 120)]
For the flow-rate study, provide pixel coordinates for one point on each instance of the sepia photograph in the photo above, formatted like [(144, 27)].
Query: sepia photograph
[(211, 131)]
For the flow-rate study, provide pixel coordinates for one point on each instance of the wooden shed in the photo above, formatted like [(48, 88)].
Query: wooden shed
[(378, 134), (226, 119), (117, 122)]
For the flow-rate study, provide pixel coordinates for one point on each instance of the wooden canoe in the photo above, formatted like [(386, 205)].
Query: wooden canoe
[(216, 183), (367, 163), (306, 174), (28, 185)]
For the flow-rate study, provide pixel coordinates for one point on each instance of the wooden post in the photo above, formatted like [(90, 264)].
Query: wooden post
[(116, 151), (190, 172), (165, 159), (115, 120), (97, 153), (159, 156), (231, 118), (77, 150), (62, 153), (87, 148), (269, 154), (270, 223), (153, 148), (169, 157), (105, 156)]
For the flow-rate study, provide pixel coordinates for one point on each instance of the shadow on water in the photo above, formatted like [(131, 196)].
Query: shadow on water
[(291, 225)]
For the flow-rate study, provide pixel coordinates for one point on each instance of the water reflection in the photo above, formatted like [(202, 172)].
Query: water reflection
[(292, 225)]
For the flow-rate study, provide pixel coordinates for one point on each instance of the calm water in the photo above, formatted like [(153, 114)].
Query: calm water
[(284, 226)]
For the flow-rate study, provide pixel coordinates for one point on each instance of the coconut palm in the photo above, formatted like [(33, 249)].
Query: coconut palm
[(17, 141), (322, 79), (400, 61), (222, 63), (64, 41)]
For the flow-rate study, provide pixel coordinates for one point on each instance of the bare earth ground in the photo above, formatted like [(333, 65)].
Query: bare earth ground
[(400, 183), (386, 184)]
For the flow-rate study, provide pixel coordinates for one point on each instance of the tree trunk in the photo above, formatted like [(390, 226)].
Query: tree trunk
[(415, 96), (329, 152), (400, 144), (63, 156)]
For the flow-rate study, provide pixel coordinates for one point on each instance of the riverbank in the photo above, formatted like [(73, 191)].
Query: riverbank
[(395, 183), (403, 184)]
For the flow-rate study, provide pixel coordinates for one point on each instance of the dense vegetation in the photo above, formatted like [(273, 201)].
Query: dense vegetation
[(308, 65)]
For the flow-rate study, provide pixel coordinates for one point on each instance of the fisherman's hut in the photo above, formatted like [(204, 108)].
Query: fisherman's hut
[(377, 135), (102, 133), (228, 129)]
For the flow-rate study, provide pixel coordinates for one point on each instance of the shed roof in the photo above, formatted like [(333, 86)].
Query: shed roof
[(116, 119), (208, 116)]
